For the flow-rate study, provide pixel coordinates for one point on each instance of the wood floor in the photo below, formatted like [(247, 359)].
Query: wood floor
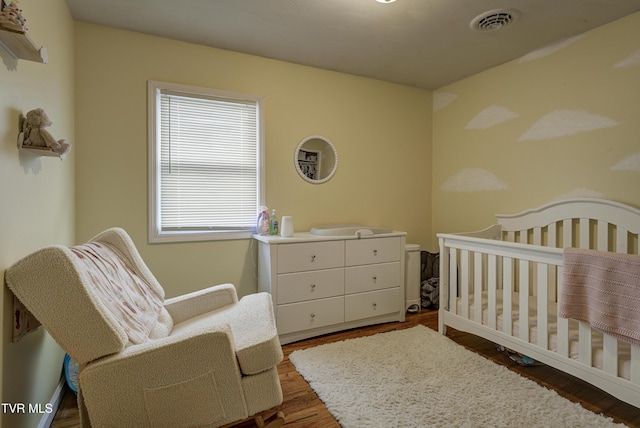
[(303, 408)]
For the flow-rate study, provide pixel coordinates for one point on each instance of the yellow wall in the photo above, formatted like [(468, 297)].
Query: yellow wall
[(37, 194), (382, 133), (560, 122)]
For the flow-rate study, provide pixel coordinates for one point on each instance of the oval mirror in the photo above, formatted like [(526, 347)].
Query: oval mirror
[(316, 159)]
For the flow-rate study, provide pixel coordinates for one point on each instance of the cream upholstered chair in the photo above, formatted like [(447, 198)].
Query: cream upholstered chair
[(201, 359)]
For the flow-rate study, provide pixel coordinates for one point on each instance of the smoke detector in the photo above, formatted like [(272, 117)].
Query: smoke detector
[(493, 20)]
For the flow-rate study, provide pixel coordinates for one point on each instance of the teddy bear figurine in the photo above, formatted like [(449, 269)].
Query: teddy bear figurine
[(35, 134)]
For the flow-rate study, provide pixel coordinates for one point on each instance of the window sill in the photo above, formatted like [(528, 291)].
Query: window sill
[(167, 237)]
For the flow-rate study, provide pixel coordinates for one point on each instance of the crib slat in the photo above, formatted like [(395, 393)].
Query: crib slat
[(563, 326), (603, 236), (537, 236), (635, 364), (622, 242), (507, 290), (610, 355), (491, 289), (585, 343), (584, 329), (464, 283), (567, 233), (610, 343), (552, 241), (499, 272), (445, 287), (584, 233), (477, 287), (523, 305), (553, 283), (453, 279), (537, 240), (524, 235), (542, 312), (552, 235)]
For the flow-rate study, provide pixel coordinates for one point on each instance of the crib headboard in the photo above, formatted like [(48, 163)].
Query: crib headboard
[(583, 223)]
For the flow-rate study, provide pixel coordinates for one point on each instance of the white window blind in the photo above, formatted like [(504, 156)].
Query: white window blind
[(208, 163)]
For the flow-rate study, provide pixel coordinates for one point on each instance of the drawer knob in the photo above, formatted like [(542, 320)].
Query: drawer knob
[(375, 279), (313, 258), (313, 315), (374, 306), (375, 252), (313, 287)]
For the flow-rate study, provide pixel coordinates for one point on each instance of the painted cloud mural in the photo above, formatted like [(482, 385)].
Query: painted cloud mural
[(630, 163), (561, 123), (633, 59), (473, 180), (442, 99), (550, 49), (490, 116)]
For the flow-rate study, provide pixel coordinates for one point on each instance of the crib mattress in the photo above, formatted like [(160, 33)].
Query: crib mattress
[(624, 349)]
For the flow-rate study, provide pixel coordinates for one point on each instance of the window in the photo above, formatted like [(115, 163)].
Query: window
[(205, 163)]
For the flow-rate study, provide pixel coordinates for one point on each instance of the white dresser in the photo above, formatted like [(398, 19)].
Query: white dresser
[(322, 284)]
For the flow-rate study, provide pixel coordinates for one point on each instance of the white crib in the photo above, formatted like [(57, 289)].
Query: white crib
[(514, 269)]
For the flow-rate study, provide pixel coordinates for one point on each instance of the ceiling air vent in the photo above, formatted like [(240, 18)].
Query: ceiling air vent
[(494, 20)]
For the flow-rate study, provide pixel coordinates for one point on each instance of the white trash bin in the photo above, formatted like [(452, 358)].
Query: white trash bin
[(412, 278)]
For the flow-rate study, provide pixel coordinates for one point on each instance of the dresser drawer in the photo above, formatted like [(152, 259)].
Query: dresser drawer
[(371, 304), (298, 287), (307, 315), (372, 277), (310, 256), (374, 250)]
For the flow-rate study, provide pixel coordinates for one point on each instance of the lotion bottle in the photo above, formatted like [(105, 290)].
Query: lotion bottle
[(263, 222), (273, 223)]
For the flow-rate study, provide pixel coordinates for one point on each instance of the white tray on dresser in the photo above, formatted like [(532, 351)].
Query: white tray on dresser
[(323, 284)]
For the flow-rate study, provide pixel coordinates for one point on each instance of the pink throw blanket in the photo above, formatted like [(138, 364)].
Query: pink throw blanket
[(602, 289), (23, 321)]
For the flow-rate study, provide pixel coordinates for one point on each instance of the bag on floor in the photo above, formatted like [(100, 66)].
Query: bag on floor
[(429, 280)]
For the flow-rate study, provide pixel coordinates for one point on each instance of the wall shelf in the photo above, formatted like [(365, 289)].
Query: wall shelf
[(20, 46), (41, 151), (35, 150)]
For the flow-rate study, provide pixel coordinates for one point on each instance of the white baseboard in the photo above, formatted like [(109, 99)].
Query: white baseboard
[(47, 418)]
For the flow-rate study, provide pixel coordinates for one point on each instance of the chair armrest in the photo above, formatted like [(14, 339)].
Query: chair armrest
[(194, 375), (199, 302)]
